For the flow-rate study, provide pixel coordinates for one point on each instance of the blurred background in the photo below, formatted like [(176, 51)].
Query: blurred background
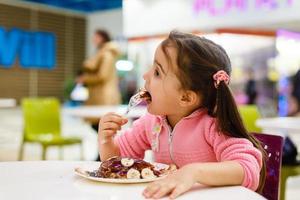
[(44, 42)]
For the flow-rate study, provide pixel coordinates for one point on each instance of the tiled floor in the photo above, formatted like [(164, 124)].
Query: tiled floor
[(11, 125)]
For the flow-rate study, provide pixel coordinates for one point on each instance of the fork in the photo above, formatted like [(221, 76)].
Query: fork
[(134, 101)]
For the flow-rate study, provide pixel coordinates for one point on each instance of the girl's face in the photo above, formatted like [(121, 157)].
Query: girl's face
[(163, 85)]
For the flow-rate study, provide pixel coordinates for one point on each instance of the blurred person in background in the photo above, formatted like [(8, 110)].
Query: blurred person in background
[(100, 74), (250, 88)]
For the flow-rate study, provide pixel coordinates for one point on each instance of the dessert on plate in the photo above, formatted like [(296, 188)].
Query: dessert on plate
[(129, 168)]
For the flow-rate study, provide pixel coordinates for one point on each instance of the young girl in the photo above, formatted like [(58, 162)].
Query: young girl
[(192, 121)]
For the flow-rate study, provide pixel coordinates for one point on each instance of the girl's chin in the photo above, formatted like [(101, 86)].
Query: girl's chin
[(149, 108), (152, 110)]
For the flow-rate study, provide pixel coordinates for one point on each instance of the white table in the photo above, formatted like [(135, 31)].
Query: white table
[(7, 103), (55, 180), (284, 125), (98, 111)]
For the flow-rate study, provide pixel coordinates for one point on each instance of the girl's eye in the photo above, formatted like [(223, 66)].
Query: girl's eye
[(156, 72)]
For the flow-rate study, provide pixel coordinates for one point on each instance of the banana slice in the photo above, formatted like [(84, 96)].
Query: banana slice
[(147, 173), (127, 162), (133, 174)]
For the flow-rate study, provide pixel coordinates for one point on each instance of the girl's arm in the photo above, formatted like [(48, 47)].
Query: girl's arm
[(241, 151), (108, 148), (212, 174), (218, 173)]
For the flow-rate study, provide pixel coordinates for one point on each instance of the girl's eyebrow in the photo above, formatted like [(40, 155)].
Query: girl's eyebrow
[(160, 67)]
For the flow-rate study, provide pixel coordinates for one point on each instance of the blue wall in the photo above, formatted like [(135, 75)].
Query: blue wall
[(34, 49)]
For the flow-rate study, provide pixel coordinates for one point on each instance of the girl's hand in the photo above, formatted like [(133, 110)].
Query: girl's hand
[(173, 185), (109, 125)]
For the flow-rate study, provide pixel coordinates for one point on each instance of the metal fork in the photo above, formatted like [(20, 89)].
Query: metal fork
[(134, 101)]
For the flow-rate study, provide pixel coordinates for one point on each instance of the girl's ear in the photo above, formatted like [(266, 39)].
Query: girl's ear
[(189, 98)]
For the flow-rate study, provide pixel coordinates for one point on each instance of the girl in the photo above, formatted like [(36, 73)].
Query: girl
[(192, 121)]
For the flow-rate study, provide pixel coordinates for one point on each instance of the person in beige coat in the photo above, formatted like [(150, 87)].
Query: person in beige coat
[(100, 75)]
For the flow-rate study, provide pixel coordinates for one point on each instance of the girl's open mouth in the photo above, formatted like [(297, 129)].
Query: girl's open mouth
[(145, 95)]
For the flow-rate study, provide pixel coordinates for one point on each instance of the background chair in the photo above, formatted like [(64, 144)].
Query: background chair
[(42, 125), (250, 114), (273, 145)]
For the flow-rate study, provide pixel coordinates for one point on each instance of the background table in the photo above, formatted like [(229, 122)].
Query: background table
[(55, 180), (98, 111), (7, 103), (284, 125)]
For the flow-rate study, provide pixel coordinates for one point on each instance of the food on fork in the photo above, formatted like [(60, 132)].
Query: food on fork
[(136, 99), (128, 168), (144, 94)]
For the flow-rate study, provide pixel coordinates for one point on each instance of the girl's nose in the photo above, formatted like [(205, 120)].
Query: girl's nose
[(145, 75)]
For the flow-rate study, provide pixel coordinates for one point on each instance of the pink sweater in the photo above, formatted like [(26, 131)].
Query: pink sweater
[(193, 139)]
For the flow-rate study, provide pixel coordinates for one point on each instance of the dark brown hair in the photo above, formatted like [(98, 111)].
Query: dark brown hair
[(104, 34), (198, 59)]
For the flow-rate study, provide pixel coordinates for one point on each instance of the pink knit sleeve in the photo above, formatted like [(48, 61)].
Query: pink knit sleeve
[(238, 149), (134, 142)]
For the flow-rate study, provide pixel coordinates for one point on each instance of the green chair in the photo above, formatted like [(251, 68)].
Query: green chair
[(42, 125), (250, 114)]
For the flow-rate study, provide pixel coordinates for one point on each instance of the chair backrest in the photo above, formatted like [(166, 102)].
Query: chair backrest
[(273, 145), (250, 114), (41, 116)]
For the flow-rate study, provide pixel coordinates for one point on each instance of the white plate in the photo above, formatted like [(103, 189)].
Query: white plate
[(82, 171)]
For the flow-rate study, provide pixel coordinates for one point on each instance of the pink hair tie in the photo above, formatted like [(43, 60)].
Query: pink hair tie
[(219, 76)]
